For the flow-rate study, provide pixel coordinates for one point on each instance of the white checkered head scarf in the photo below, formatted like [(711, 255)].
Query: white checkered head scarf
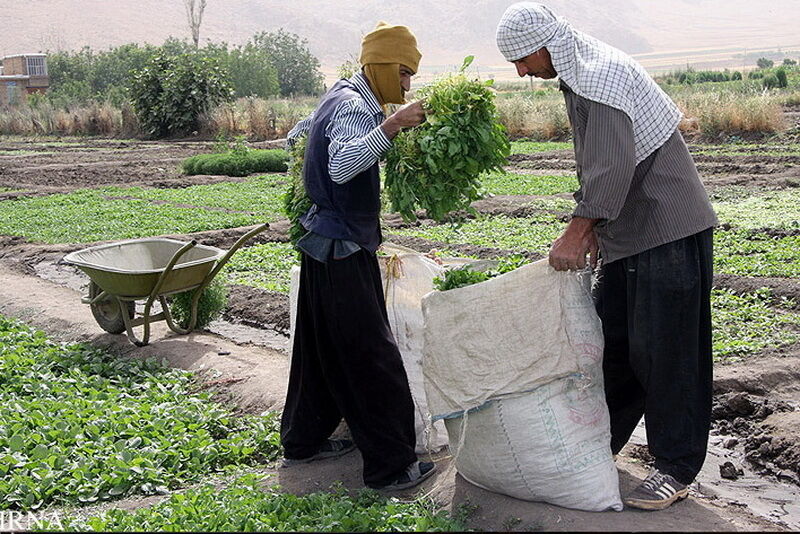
[(593, 70)]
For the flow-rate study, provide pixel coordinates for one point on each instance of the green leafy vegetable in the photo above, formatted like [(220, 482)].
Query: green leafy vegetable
[(78, 424), (437, 165), (210, 305), (246, 506), (295, 201), (240, 161), (466, 276)]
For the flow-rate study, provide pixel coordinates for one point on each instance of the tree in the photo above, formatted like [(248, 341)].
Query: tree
[(249, 67), (780, 75), (770, 81), (789, 62), (349, 67), (194, 12), (764, 63), (171, 92), (297, 69)]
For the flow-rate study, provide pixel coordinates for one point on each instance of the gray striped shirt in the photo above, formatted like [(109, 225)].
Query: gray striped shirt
[(642, 206)]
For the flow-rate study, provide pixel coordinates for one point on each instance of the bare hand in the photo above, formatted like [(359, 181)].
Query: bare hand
[(407, 116), (569, 251)]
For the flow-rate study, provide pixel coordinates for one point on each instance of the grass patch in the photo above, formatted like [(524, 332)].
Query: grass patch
[(499, 183), (95, 215), (246, 507), (532, 147), (718, 113), (540, 118), (82, 425), (85, 216), (747, 324), (534, 234), (754, 254), (260, 195), (237, 162), (732, 193), (771, 209), (264, 266)]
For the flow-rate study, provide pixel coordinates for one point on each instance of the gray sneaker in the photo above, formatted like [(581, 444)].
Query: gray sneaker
[(413, 475), (658, 491), (332, 448)]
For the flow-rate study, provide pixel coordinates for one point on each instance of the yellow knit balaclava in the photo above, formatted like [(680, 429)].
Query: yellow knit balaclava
[(383, 50)]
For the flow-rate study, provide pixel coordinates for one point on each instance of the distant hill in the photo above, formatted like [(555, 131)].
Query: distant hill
[(661, 34)]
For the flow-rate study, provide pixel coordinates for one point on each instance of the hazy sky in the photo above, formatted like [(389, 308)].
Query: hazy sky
[(658, 32)]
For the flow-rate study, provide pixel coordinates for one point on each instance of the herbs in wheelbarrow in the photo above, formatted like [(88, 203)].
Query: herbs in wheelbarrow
[(436, 166)]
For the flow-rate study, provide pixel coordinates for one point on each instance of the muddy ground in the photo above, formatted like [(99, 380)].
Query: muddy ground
[(756, 418)]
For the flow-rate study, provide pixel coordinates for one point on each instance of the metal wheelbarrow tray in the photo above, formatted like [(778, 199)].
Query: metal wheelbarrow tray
[(150, 268)]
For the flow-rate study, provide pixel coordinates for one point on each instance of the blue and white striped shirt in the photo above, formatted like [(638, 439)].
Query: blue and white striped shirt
[(357, 143), (357, 140)]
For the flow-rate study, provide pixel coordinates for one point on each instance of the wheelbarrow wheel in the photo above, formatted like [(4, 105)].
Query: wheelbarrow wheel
[(107, 313)]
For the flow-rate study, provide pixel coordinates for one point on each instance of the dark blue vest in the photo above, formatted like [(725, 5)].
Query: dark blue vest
[(349, 211)]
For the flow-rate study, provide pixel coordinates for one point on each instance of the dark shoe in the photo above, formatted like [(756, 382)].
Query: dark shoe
[(413, 475), (333, 448), (658, 491)]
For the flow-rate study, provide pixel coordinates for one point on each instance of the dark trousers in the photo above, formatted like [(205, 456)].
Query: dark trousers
[(345, 364), (656, 313)]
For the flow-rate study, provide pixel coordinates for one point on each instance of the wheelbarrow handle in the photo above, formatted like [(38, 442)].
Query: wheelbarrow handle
[(210, 276), (168, 268), (236, 246), (154, 294)]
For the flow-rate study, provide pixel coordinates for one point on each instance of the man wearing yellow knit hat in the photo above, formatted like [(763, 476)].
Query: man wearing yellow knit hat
[(345, 363)]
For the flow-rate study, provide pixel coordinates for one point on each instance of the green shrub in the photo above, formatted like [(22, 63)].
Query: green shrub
[(171, 92), (771, 81), (210, 306), (780, 74), (764, 63), (237, 162)]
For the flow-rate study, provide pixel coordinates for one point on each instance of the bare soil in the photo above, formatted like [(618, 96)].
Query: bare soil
[(781, 287), (92, 163)]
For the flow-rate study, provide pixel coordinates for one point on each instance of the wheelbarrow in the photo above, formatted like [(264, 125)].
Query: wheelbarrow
[(150, 269)]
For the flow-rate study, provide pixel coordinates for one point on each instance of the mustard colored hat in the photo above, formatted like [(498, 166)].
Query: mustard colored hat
[(390, 44)]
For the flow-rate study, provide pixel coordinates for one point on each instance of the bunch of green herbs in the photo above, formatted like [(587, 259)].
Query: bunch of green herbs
[(295, 201), (437, 165), (467, 275), (210, 305)]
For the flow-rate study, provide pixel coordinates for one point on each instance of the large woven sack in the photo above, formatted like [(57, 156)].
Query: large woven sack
[(407, 277), (514, 366)]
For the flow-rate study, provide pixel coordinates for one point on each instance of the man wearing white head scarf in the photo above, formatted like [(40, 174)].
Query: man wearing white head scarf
[(642, 208)]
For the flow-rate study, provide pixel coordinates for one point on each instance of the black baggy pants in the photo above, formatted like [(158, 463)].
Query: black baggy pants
[(656, 313), (345, 364)]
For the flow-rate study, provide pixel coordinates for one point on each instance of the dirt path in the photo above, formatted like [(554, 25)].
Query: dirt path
[(255, 378)]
